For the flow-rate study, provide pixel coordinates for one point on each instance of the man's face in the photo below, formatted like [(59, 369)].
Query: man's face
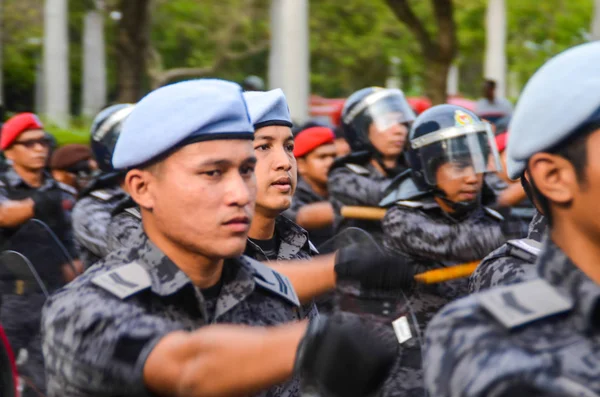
[(459, 181), (315, 165), (389, 142), (30, 150), (275, 169), (202, 197)]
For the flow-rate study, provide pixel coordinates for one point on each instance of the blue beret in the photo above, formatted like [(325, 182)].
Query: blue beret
[(182, 113), (268, 108), (560, 97)]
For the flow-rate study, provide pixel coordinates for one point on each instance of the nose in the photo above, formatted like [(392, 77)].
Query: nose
[(241, 191), (283, 160), (470, 176)]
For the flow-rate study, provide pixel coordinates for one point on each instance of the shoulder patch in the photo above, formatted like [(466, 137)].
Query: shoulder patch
[(526, 249), (519, 304), (102, 194), (409, 204), (135, 212), (271, 280), (312, 248), (493, 213), (124, 281), (66, 188), (357, 169)]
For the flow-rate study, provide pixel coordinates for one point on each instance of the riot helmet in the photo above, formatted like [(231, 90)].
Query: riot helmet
[(381, 107), (105, 131), (253, 83), (450, 134)]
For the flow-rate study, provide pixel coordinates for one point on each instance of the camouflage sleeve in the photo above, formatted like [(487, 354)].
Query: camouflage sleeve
[(97, 345), (352, 189), (90, 222), (120, 231), (413, 233), (467, 354), (3, 193), (499, 268)]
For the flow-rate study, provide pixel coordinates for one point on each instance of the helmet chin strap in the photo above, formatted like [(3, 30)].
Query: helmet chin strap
[(460, 209), (391, 172)]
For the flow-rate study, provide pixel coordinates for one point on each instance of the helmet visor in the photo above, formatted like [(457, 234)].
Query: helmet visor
[(461, 151), (386, 107)]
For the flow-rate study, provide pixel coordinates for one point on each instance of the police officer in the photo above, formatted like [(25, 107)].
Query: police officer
[(137, 322), (375, 122), (92, 211), (437, 219), (26, 192), (539, 337)]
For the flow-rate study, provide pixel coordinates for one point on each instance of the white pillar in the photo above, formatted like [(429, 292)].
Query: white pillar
[(1, 53), (495, 51), (56, 62), (596, 21), (452, 82), (289, 61), (94, 64)]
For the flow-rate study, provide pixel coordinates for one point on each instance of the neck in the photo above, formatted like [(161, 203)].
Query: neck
[(443, 205), (262, 226), (33, 178), (582, 248), (318, 188), (203, 271), (388, 162)]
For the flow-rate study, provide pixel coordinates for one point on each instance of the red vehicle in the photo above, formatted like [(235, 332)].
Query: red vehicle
[(8, 369)]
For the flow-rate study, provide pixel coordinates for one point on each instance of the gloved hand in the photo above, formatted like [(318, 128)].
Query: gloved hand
[(48, 202), (341, 356), (367, 264)]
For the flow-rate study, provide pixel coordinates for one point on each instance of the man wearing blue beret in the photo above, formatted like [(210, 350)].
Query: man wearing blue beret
[(540, 337), (169, 315)]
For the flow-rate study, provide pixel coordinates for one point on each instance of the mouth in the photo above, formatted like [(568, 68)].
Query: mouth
[(283, 184), (469, 194), (238, 224)]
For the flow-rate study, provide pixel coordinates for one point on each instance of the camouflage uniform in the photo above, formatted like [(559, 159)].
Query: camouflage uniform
[(354, 181), (21, 310), (98, 331), (91, 216), (124, 223), (512, 262), (539, 337), (423, 232), (306, 195)]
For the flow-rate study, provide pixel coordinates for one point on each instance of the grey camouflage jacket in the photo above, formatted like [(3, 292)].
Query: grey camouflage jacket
[(98, 330)]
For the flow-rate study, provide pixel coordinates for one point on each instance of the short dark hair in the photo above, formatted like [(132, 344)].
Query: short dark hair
[(490, 83)]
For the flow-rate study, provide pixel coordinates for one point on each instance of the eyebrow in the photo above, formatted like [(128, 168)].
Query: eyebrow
[(226, 163), (270, 138)]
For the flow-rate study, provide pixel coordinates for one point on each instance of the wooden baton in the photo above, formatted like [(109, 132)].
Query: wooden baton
[(365, 213)]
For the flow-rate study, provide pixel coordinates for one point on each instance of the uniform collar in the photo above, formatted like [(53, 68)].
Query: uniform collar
[(292, 239), (168, 279), (14, 180), (555, 267)]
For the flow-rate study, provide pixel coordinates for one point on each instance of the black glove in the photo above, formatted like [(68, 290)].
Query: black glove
[(48, 202), (341, 356), (367, 264)]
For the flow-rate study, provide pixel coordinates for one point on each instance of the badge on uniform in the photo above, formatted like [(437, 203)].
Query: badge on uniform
[(124, 281), (519, 304), (273, 281)]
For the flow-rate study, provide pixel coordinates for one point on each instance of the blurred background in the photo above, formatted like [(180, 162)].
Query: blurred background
[(66, 60)]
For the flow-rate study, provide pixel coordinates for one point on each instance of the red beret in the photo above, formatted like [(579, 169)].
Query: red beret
[(67, 156), (17, 125), (311, 138), (501, 141)]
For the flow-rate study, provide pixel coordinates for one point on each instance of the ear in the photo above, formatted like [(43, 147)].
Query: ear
[(554, 177), (137, 183), (8, 153)]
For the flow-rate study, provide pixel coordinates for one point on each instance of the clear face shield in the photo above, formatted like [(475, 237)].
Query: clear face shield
[(462, 151), (386, 107)]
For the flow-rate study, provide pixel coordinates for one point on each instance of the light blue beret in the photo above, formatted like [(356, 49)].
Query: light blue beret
[(268, 108), (560, 97), (181, 113)]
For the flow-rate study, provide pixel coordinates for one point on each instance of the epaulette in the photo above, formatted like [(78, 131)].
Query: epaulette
[(409, 204), (313, 250), (526, 249), (67, 188), (358, 159), (102, 194), (493, 213), (134, 211), (2, 184), (519, 304), (274, 282), (124, 281), (357, 169)]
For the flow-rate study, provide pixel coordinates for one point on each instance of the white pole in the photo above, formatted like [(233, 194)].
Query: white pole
[(94, 64), (495, 52), (596, 21), (289, 62), (452, 82)]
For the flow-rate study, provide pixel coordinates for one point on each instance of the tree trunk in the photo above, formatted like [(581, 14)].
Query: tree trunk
[(56, 62), (132, 49), (495, 52), (94, 64), (289, 58), (596, 21), (436, 75)]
